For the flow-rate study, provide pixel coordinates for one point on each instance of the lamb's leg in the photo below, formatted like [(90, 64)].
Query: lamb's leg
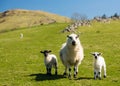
[(47, 70), (95, 74), (105, 71), (56, 67), (49, 73), (99, 75)]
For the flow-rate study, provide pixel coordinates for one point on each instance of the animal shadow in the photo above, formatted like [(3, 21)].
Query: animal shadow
[(43, 77), (85, 78)]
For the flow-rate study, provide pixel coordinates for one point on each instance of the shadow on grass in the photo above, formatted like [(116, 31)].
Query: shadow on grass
[(43, 77), (84, 78)]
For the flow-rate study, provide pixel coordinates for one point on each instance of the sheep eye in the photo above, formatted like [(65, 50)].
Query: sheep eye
[(70, 38), (77, 36)]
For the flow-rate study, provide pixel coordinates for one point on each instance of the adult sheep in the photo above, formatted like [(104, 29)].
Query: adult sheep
[(71, 54)]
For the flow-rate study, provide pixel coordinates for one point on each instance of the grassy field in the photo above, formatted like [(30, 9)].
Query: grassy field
[(21, 63)]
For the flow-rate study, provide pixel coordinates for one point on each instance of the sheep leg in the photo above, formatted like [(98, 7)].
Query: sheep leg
[(69, 76), (47, 70), (56, 70), (65, 72), (99, 74), (75, 72), (105, 72), (95, 75), (49, 73)]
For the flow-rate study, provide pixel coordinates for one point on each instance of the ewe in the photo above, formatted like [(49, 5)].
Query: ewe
[(50, 60), (71, 54), (98, 64)]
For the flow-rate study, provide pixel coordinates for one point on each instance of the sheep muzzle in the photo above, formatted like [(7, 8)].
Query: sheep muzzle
[(73, 43)]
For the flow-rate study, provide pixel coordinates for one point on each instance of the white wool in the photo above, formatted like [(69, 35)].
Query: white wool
[(50, 60), (99, 63), (71, 53)]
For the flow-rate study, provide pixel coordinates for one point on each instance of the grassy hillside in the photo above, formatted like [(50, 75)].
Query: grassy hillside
[(13, 19), (21, 64)]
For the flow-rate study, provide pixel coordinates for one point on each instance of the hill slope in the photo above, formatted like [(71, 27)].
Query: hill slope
[(12, 19), (21, 63)]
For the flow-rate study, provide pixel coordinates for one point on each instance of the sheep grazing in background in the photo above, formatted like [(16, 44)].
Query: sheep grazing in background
[(21, 35), (98, 64), (71, 54), (50, 60)]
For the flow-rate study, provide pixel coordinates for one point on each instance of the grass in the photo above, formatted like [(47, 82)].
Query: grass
[(19, 18), (21, 64)]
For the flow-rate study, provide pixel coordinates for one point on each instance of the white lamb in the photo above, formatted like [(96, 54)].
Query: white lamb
[(98, 64), (50, 60), (71, 54)]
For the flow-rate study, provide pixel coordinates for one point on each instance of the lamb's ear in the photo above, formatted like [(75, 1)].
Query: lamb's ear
[(100, 53), (41, 52), (49, 51), (78, 36), (92, 53), (68, 36)]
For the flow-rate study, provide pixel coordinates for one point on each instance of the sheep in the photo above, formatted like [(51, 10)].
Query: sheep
[(49, 61), (21, 35), (71, 54), (98, 64)]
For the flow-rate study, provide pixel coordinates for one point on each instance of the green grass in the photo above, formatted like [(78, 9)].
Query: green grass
[(21, 63)]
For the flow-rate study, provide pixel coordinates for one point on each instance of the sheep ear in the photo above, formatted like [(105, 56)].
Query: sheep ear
[(100, 53), (78, 36), (49, 51), (41, 52), (92, 53)]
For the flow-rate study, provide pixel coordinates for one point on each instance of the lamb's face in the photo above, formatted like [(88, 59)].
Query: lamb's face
[(46, 52), (73, 39), (96, 54)]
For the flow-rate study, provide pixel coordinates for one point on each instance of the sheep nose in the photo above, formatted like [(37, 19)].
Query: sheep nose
[(73, 42), (95, 57)]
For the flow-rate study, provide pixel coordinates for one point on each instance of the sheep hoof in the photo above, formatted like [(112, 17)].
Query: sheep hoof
[(99, 78), (75, 76), (94, 78), (104, 76), (55, 73), (64, 74), (69, 77), (49, 74)]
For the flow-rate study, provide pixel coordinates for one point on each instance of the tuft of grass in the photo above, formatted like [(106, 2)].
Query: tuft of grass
[(21, 63)]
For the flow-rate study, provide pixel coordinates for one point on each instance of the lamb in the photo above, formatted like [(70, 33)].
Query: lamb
[(50, 61), (98, 64), (71, 54)]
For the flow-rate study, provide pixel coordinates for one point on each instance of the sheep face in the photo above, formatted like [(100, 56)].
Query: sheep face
[(96, 54), (73, 39), (46, 52)]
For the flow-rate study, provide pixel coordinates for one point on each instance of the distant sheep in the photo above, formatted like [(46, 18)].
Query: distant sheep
[(50, 60), (98, 64), (21, 35), (71, 54)]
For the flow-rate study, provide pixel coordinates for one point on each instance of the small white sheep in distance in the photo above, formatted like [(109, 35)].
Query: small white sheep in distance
[(21, 35), (98, 64), (50, 61), (71, 54)]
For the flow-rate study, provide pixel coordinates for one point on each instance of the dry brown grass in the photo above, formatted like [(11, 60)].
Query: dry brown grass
[(13, 19)]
